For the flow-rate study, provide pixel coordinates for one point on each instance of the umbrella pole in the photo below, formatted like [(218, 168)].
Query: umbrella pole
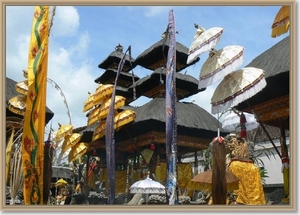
[(147, 198), (127, 181), (264, 129)]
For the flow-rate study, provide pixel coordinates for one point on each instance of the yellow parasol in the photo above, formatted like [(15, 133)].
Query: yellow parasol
[(281, 23), (103, 91), (77, 151), (104, 108), (17, 104), (63, 130), (22, 87), (61, 182), (102, 111), (70, 140), (89, 103), (99, 131), (122, 118), (93, 116)]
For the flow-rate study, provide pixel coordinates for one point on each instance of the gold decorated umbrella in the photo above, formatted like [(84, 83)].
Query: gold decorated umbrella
[(62, 131), (60, 183), (99, 131), (120, 119), (102, 92), (102, 111), (77, 151), (220, 63), (89, 103), (70, 140), (22, 87), (17, 104), (236, 87), (281, 23), (204, 40), (123, 118), (104, 108), (203, 181), (93, 116)]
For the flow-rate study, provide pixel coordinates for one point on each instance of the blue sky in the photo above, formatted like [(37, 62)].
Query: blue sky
[(83, 36)]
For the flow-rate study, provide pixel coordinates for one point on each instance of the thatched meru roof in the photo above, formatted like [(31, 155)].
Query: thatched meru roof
[(192, 120), (109, 77), (153, 85), (195, 127), (276, 64), (275, 96), (10, 92), (155, 56), (113, 60)]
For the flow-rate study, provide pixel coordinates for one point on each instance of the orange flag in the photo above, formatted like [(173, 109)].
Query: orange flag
[(34, 120)]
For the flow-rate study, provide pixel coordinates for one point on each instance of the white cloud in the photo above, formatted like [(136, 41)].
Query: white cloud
[(66, 21), (152, 11)]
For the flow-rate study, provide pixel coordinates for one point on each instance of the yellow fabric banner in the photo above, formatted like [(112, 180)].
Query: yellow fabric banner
[(34, 120)]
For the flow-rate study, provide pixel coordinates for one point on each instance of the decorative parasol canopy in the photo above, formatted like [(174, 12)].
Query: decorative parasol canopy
[(104, 108), (237, 87), (89, 103), (281, 23), (122, 118), (22, 87), (70, 140), (62, 131), (61, 182), (17, 104), (102, 111), (77, 151), (102, 92), (147, 186), (232, 122), (204, 40), (203, 181), (219, 64)]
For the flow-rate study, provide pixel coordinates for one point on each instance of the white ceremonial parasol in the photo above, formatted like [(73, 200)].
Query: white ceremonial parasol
[(147, 186), (232, 122), (237, 87), (219, 64), (204, 40)]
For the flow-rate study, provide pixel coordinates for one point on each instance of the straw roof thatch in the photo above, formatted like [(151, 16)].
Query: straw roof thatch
[(276, 64), (10, 92), (113, 59), (192, 120), (155, 56), (153, 85), (109, 77)]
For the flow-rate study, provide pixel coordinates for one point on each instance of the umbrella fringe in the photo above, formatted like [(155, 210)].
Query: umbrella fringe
[(219, 73), (238, 97), (280, 29), (201, 46)]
